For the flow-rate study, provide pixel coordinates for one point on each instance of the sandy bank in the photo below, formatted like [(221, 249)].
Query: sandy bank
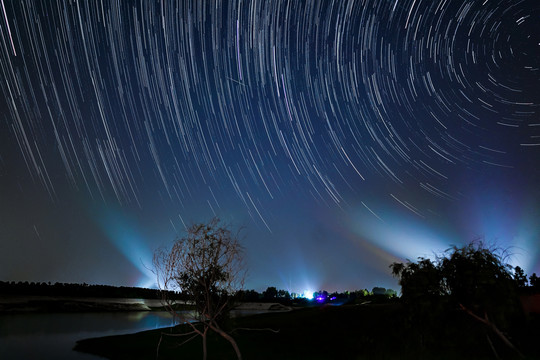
[(14, 304)]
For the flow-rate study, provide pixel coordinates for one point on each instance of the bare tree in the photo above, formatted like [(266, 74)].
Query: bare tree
[(206, 267)]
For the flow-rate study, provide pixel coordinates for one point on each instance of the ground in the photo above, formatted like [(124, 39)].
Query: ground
[(380, 331)]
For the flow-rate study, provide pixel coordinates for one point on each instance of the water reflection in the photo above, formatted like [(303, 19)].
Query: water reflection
[(52, 336)]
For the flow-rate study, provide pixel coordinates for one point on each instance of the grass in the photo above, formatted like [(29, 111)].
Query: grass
[(348, 332)]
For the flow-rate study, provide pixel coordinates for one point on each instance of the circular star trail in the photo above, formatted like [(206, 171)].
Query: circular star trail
[(296, 115)]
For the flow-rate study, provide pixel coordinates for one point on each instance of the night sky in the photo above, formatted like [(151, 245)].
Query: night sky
[(343, 135)]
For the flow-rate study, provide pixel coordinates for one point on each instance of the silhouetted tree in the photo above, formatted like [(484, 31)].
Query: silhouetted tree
[(520, 277), (248, 295), (270, 293), (534, 281), (206, 266), (283, 294), (473, 277), (321, 296), (378, 291), (418, 280)]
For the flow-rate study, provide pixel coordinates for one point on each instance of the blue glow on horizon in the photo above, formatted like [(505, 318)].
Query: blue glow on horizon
[(124, 235), (506, 221), (147, 283), (403, 237), (510, 228)]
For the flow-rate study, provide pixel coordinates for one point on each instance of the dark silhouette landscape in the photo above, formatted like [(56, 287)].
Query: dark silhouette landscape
[(269, 179), (466, 303)]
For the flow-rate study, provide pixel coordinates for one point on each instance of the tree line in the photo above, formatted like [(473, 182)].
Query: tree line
[(272, 294), (78, 290)]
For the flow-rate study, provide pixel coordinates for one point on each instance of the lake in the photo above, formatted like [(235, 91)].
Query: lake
[(53, 336)]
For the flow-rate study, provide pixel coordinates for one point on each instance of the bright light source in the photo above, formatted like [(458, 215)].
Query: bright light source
[(308, 294)]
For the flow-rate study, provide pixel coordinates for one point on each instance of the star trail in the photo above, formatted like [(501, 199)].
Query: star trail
[(343, 135)]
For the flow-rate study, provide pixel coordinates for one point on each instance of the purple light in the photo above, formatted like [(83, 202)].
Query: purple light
[(320, 298)]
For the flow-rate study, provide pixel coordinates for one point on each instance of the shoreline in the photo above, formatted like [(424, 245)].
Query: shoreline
[(15, 304)]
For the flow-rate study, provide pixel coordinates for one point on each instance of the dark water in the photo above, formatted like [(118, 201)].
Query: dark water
[(52, 336)]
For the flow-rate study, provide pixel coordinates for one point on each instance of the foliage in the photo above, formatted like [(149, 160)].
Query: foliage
[(520, 277), (248, 295), (270, 293), (472, 278), (283, 294), (378, 291), (206, 266), (419, 279), (534, 281), (477, 278)]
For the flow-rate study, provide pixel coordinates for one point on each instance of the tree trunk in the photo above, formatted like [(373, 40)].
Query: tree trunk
[(230, 339), (205, 354), (204, 347)]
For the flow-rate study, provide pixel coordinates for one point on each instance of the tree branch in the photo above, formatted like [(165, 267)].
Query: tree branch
[(493, 327)]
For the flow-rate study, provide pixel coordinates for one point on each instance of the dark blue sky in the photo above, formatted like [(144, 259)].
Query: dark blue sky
[(343, 135)]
